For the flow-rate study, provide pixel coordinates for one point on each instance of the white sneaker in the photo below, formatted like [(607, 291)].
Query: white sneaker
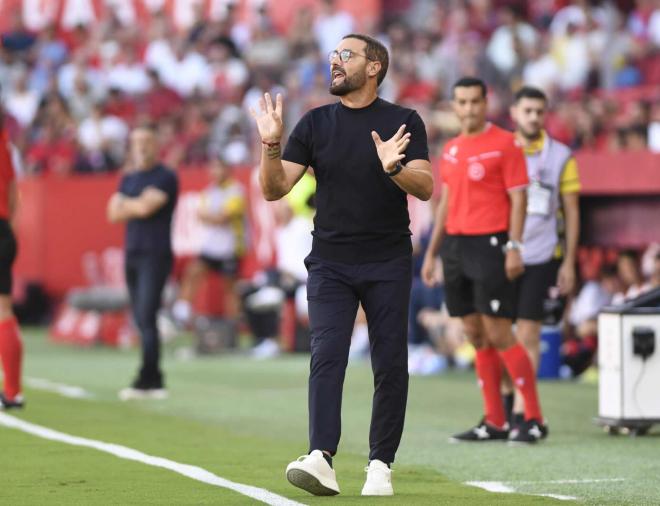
[(379, 479), (313, 474), (268, 348)]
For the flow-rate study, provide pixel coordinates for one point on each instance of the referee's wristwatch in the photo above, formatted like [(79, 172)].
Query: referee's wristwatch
[(513, 245)]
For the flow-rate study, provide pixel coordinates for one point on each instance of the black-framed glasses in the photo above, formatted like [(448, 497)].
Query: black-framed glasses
[(345, 55)]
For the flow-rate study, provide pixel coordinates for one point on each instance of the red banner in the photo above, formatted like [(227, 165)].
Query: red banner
[(66, 241)]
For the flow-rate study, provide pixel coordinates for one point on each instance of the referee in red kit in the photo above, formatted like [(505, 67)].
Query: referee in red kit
[(11, 347), (481, 217)]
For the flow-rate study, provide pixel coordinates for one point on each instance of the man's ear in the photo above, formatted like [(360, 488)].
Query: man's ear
[(374, 68)]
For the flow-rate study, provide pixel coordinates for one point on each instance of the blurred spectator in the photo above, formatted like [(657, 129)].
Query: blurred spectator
[(331, 25), (629, 272), (511, 41), (22, 102), (578, 351), (654, 279), (82, 99), (50, 54), (222, 212), (263, 299), (78, 67), (103, 135), (159, 100), (127, 73), (52, 152), (183, 69), (593, 296), (17, 39), (230, 73)]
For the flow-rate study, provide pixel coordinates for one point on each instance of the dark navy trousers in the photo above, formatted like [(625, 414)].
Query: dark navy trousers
[(146, 275), (333, 292)]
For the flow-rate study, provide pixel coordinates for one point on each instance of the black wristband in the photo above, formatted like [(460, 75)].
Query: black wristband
[(397, 168)]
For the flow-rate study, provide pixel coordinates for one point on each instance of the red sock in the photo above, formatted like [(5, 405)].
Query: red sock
[(11, 354), (517, 362), (489, 372)]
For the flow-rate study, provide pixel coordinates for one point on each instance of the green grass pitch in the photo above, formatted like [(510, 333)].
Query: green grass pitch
[(244, 420)]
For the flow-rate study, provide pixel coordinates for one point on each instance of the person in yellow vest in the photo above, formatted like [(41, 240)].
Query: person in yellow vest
[(552, 226), (222, 212)]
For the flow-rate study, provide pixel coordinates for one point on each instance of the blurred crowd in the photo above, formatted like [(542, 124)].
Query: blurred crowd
[(71, 97)]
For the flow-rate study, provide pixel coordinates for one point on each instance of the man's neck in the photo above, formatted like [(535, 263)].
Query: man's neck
[(526, 141), (359, 98), (476, 131)]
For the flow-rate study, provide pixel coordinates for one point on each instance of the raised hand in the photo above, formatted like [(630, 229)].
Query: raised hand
[(269, 118), (391, 151)]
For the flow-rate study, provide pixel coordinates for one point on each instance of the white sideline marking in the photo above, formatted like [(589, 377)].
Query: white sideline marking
[(502, 487), (59, 388), (569, 482), (505, 487), (194, 472), (560, 497), (492, 486)]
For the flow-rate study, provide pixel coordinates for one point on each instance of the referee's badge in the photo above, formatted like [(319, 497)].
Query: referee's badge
[(476, 171), (495, 305)]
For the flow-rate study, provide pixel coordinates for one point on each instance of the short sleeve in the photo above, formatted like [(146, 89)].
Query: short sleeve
[(123, 185), (299, 146), (514, 167), (570, 179), (443, 161), (418, 149), (169, 183)]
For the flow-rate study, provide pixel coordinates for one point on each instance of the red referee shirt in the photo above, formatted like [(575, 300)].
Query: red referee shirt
[(479, 171), (6, 174)]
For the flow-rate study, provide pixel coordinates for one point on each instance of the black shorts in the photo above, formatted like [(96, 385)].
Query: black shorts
[(226, 266), (533, 289), (475, 277), (7, 256)]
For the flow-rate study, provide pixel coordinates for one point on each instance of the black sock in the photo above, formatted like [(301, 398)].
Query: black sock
[(517, 419), (508, 406), (327, 458)]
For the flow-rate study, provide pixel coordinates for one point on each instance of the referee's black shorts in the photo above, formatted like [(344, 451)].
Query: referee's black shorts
[(7, 256), (533, 288), (475, 277)]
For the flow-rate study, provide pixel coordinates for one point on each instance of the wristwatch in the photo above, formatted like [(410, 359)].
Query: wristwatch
[(397, 168), (511, 245)]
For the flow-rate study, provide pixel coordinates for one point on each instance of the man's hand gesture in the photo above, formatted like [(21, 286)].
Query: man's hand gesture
[(269, 118), (391, 151)]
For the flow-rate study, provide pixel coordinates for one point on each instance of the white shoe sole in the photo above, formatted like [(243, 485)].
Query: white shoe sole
[(133, 394), (307, 481), (377, 492)]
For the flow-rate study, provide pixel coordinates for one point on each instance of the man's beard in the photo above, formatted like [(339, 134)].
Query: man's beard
[(531, 134), (352, 83)]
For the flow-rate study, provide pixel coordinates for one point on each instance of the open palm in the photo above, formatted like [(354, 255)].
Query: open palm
[(269, 118), (391, 151)]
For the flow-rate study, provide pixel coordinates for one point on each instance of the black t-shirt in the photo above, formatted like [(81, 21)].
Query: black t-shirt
[(152, 234), (361, 214)]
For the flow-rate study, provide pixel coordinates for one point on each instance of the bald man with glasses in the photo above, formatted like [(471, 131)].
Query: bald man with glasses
[(361, 249)]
